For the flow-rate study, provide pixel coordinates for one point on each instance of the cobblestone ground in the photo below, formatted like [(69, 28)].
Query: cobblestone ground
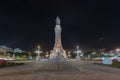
[(62, 71)]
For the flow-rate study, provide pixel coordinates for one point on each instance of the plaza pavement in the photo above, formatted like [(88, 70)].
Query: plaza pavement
[(70, 70)]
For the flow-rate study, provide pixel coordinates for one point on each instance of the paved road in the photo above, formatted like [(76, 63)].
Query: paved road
[(67, 71)]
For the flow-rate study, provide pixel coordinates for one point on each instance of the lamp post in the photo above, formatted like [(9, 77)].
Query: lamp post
[(69, 54), (118, 54), (117, 50), (38, 52), (14, 55), (47, 55), (78, 52)]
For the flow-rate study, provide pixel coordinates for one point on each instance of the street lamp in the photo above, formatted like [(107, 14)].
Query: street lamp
[(78, 52), (69, 54), (117, 49), (38, 52)]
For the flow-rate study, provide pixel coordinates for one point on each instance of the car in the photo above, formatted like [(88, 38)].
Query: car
[(2, 62)]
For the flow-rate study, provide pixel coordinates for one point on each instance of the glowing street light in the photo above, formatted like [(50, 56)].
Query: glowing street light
[(117, 49)]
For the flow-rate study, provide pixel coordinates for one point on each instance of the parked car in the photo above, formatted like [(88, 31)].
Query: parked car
[(2, 62)]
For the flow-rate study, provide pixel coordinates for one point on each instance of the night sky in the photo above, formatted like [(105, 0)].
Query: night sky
[(92, 24)]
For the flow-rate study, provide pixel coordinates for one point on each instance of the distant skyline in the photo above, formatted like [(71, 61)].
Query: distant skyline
[(90, 24)]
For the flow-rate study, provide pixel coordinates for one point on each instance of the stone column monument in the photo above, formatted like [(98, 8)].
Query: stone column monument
[(58, 44), (58, 49)]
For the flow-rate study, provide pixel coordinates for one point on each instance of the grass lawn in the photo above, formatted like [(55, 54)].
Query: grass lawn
[(11, 64)]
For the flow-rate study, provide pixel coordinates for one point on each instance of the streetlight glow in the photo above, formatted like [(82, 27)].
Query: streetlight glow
[(117, 49)]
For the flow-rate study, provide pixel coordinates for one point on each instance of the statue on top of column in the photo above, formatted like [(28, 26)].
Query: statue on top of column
[(57, 20)]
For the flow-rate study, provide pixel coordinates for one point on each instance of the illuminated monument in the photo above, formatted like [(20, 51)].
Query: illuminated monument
[(58, 50), (58, 45)]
